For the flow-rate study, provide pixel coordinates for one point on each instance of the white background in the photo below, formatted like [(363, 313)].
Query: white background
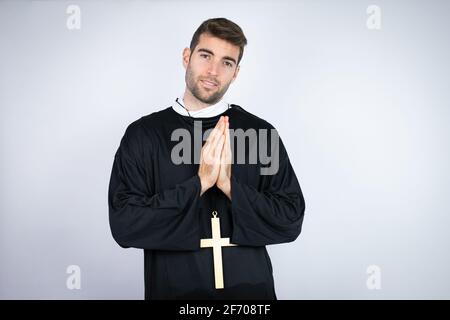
[(364, 115)]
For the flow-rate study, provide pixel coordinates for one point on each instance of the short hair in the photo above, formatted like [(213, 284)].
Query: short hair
[(223, 29)]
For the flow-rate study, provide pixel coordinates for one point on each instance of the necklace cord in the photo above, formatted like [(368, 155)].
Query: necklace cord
[(176, 100)]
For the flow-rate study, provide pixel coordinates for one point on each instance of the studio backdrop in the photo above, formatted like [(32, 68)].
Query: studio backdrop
[(358, 90)]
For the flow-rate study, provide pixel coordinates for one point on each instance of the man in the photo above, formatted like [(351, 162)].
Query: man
[(175, 202)]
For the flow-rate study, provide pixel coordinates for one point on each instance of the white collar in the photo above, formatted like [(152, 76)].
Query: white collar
[(210, 111)]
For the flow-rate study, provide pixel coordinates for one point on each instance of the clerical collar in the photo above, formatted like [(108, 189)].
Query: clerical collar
[(208, 112)]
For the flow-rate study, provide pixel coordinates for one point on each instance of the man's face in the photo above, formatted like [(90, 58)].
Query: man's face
[(210, 68)]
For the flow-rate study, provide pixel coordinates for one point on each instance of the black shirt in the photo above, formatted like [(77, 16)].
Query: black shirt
[(155, 205)]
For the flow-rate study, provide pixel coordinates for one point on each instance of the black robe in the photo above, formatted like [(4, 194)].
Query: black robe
[(156, 205)]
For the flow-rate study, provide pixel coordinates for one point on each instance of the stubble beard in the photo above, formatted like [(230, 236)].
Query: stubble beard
[(197, 92)]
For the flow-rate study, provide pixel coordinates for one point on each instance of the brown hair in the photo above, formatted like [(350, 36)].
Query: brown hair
[(223, 29)]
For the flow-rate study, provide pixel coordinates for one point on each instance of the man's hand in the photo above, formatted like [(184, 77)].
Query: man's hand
[(210, 156), (224, 179)]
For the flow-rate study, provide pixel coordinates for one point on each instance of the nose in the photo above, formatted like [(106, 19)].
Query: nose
[(213, 68)]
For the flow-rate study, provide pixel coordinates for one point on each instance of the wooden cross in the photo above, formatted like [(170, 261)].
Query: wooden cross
[(216, 242)]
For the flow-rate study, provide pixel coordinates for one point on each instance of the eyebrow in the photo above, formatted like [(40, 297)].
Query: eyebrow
[(211, 53)]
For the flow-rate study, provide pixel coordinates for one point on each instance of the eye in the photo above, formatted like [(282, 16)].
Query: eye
[(228, 64), (204, 55)]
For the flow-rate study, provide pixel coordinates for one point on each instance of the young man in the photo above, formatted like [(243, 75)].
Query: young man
[(204, 213)]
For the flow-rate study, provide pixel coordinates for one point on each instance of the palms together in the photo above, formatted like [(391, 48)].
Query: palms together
[(215, 159)]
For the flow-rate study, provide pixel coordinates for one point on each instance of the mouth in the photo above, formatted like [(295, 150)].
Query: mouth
[(209, 84)]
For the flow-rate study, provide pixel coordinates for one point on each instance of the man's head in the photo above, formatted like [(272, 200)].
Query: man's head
[(212, 61)]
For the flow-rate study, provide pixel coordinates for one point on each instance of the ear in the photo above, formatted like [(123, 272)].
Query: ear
[(236, 73), (186, 57)]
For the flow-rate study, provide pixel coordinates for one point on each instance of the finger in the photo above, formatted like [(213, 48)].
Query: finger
[(219, 146), (226, 133), (224, 126), (223, 151), (209, 150), (217, 132), (213, 132), (227, 148)]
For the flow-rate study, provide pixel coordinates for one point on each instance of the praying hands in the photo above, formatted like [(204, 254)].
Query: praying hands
[(215, 159)]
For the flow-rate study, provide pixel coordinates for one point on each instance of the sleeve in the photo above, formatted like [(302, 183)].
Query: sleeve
[(139, 218), (271, 215)]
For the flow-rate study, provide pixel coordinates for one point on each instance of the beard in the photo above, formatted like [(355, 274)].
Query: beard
[(200, 93)]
